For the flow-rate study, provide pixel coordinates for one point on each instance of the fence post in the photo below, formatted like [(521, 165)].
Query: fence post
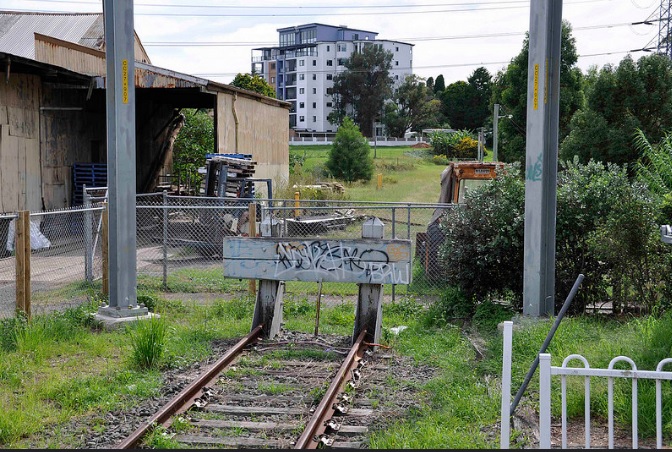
[(165, 240), (22, 251), (252, 233), (104, 250), (505, 436), (88, 236), (394, 236), (544, 401)]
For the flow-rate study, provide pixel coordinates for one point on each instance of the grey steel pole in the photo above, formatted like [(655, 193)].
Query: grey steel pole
[(120, 92), (495, 132), (543, 87)]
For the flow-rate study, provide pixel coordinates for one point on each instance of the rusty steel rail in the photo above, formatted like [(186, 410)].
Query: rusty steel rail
[(325, 410), (186, 397)]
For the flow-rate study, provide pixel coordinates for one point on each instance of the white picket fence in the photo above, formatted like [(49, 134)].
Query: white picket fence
[(546, 371)]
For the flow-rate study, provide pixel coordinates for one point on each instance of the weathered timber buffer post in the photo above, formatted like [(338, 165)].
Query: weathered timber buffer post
[(369, 311), (268, 305), (274, 260)]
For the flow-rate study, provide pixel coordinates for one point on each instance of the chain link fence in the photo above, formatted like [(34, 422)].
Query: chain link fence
[(65, 259), (180, 239), (179, 245)]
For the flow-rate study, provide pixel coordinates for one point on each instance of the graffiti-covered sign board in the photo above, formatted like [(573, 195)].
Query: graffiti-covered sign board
[(366, 261)]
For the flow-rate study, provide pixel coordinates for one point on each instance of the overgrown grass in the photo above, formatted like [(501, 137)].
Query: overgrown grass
[(62, 366)]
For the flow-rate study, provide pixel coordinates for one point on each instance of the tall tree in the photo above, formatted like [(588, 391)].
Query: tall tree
[(466, 105), (362, 89), (456, 105), (412, 107), (430, 84), (510, 91), (439, 84), (253, 82), (633, 98), (481, 82)]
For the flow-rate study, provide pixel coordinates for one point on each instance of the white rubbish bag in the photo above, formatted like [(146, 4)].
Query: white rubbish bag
[(38, 240)]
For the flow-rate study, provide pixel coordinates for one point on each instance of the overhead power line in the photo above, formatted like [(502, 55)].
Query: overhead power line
[(418, 39), (458, 7), (438, 66)]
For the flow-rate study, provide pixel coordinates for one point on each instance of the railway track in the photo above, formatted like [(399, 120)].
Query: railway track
[(303, 393)]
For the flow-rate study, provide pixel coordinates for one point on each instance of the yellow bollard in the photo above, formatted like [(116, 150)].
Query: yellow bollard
[(297, 204), (380, 181)]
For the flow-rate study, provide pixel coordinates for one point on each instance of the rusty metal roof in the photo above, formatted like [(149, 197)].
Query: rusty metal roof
[(17, 30)]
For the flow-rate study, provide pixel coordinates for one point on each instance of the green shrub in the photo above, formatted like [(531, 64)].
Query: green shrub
[(454, 304), (605, 229), (350, 155), (457, 144), (441, 160)]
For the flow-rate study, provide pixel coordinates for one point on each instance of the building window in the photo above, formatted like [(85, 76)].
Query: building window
[(341, 61), (329, 91), (342, 47), (301, 104), (355, 36), (397, 48), (330, 62), (329, 104), (314, 76), (330, 76), (302, 119), (314, 118), (328, 48), (396, 77), (302, 76), (272, 79), (314, 90), (396, 63), (314, 62), (302, 63), (301, 90), (314, 104)]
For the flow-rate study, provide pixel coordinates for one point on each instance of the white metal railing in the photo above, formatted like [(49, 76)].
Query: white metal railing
[(546, 371)]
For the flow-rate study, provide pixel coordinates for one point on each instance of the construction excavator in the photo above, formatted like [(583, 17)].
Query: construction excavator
[(456, 180)]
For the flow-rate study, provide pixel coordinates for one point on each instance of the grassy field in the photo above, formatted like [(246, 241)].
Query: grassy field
[(408, 175)]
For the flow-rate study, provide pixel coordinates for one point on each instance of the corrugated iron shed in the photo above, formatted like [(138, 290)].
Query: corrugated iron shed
[(17, 30)]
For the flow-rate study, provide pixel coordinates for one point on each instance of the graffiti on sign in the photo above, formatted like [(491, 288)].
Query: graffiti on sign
[(337, 261)]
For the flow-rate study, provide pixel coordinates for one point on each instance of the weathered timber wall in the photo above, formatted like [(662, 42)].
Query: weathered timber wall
[(76, 57), (248, 126), (20, 176)]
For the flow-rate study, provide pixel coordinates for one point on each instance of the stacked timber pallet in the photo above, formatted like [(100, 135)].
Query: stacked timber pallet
[(226, 176)]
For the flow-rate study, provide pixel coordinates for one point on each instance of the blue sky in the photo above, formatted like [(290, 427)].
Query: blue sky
[(451, 37)]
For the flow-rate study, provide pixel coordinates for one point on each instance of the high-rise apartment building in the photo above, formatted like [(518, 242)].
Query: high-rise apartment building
[(303, 66)]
